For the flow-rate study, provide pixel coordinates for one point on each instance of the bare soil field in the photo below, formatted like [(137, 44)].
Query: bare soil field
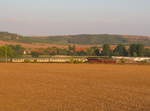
[(41, 45), (74, 87)]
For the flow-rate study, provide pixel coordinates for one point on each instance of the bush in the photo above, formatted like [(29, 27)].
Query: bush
[(27, 61)]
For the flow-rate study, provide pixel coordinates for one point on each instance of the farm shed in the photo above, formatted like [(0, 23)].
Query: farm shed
[(101, 60)]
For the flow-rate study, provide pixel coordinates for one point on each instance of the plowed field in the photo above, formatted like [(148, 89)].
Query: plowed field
[(74, 87)]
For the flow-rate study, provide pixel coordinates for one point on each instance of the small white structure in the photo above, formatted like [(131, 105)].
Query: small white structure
[(136, 59), (24, 52)]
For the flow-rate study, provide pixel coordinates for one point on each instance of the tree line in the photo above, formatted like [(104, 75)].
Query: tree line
[(133, 50)]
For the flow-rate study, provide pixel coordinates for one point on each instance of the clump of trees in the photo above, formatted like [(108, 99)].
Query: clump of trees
[(133, 50), (106, 50), (120, 50), (136, 50), (147, 52), (11, 51)]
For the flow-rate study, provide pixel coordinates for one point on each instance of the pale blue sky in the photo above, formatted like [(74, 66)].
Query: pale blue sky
[(48, 17)]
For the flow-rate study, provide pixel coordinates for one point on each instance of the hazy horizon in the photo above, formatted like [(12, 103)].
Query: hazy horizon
[(67, 17), (35, 35)]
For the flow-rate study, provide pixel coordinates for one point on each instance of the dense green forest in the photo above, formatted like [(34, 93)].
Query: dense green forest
[(77, 39)]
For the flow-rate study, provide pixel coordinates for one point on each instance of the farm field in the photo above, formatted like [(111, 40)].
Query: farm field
[(74, 87)]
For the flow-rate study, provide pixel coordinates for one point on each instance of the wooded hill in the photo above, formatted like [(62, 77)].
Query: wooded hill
[(83, 39)]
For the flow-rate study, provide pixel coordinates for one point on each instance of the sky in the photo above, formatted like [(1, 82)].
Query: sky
[(62, 17)]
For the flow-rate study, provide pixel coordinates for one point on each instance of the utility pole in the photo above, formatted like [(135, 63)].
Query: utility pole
[(6, 54)]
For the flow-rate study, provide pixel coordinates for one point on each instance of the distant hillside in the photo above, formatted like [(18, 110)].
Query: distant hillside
[(84, 39)]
